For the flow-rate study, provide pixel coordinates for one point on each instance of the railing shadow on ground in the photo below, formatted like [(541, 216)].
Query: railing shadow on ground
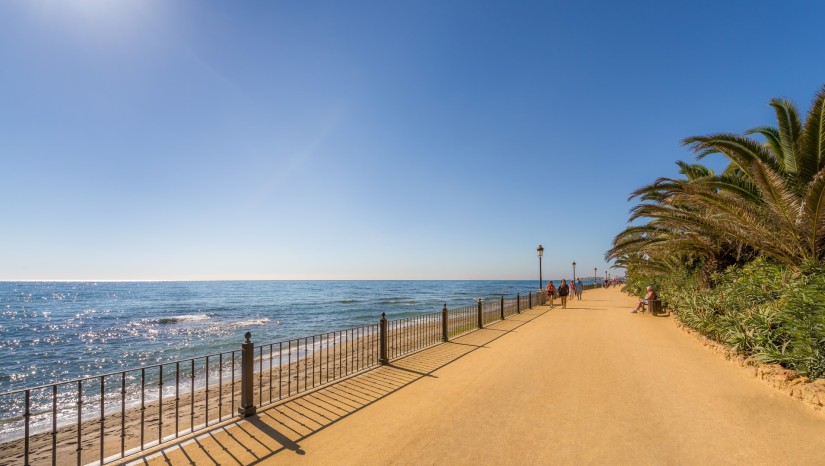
[(279, 428)]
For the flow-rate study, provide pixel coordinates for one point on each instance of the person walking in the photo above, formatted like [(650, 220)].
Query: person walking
[(579, 288), (573, 290), (564, 290), (551, 292)]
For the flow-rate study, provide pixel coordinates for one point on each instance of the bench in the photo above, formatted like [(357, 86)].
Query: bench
[(655, 307)]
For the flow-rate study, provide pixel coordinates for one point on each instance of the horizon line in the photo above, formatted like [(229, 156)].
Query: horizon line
[(269, 280)]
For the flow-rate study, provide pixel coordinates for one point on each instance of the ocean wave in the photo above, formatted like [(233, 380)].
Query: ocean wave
[(181, 319), (403, 315), (366, 317), (396, 302), (252, 322)]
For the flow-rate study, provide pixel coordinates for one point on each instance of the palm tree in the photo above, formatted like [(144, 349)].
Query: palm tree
[(769, 201), (782, 213), (680, 231)]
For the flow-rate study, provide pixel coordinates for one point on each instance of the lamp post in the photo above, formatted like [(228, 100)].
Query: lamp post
[(540, 252), (574, 271), (595, 276)]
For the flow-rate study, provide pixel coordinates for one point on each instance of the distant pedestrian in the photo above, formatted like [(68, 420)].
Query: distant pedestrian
[(579, 288), (564, 290), (551, 292), (573, 290)]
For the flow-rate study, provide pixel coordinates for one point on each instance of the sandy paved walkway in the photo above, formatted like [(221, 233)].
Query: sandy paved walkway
[(592, 384)]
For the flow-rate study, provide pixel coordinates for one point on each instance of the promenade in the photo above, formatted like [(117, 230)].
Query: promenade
[(591, 384)]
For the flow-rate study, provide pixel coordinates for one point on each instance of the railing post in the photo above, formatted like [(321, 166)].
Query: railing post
[(530, 300), (444, 336), (518, 303), (480, 316), (247, 407), (382, 340), (502, 307), (27, 417)]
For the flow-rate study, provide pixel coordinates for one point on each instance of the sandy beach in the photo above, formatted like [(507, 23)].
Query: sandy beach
[(591, 384)]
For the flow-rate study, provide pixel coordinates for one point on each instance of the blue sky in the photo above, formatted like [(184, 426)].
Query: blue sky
[(158, 140)]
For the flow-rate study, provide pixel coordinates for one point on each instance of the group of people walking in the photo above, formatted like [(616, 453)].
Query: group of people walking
[(575, 288)]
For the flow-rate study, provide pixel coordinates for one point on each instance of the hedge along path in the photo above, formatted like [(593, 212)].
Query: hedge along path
[(589, 384)]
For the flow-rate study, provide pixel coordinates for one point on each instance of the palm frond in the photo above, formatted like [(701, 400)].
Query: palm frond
[(787, 116), (693, 171), (742, 151), (814, 215), (772, 138), (736, 185), (814, 136)]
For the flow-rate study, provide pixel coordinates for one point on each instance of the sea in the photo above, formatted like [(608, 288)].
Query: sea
[(57, 331)]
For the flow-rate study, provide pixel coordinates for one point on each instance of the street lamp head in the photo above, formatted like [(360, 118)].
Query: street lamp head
[(574, 263), (540, 250)]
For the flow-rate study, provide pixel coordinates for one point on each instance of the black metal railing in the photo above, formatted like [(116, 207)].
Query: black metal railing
[(287, 368), (108, 417), (411, 334), (462, 320), (115, 414), (491, 311)]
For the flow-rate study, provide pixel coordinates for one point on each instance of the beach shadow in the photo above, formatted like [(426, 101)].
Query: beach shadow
[(279, 428)]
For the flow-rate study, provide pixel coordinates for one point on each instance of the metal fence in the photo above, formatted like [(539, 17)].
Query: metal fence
[(461, 321), (287, 368), (114, 414), (107, 417)]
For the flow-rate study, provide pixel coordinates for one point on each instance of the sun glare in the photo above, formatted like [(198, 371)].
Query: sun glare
[(98, 20)]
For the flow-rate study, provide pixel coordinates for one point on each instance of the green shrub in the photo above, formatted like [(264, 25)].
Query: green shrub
[(803, 326), (758, 309)]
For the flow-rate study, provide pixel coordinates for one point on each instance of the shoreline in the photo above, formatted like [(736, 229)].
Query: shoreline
[(84, 329)]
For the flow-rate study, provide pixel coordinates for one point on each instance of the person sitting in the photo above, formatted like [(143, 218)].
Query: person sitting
[(650, 296)]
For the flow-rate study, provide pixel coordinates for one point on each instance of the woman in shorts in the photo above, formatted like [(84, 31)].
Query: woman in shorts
[(551, 292)]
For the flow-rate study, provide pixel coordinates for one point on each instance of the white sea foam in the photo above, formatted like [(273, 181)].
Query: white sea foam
[(182, 319), (250, 322)]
